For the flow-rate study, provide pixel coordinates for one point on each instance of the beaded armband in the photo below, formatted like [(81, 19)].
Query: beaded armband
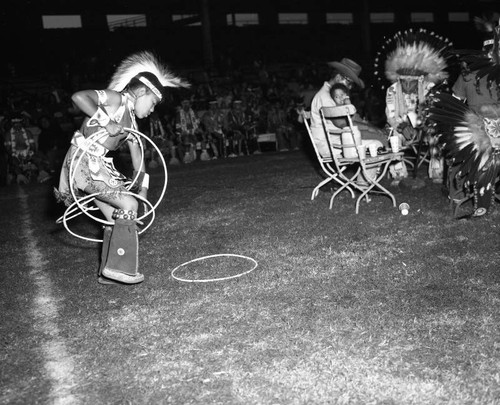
[(101, 117), (124, 214)]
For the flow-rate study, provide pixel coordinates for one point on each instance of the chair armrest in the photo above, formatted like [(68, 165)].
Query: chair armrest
[(385, 157)]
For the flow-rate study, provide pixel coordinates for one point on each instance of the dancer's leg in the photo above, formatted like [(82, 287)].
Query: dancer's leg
[(122, 257)]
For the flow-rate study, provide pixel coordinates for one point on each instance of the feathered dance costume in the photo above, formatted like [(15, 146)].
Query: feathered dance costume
[(471, 139), (412, 55)]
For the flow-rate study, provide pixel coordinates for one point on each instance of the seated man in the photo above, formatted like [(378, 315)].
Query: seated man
[(346, 72)]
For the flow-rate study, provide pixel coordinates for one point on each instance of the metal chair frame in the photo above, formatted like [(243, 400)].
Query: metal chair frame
[(330, 171), (361, 180)]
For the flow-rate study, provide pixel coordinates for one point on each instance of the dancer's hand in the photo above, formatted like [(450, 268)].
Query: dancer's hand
[(407, 131), (114, 129)]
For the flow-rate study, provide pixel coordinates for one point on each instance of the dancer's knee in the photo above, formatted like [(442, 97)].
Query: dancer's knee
[(130, 204)]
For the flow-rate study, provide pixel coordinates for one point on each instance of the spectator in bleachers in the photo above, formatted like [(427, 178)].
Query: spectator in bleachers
[(296, 118), (31, 126), (235, 127), (278, 122), (175, 151), (159, 136), (212, 122), (187, 126), (21, 147), (252, 117)]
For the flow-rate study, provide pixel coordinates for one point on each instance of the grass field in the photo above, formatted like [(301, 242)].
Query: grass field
[(375, 308)]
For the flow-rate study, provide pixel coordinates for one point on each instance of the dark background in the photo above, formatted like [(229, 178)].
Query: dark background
[(214, 46)]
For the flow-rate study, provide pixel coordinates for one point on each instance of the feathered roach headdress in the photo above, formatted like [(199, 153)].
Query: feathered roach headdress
[(145, 67), (413, 54), (485, 62)]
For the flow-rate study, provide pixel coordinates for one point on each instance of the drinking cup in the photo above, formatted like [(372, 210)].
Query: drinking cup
[(394, 141)]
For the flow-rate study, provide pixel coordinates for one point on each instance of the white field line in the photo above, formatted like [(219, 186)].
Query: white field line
[(59, 364)]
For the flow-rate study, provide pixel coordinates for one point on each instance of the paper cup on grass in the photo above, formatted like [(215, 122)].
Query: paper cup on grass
[(404, 208)]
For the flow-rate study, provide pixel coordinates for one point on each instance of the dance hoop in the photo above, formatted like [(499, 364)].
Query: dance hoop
[(213, 279), (81, 208), (91, 197)]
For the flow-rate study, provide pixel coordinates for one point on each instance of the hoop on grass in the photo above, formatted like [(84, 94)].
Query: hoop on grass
[(255, 264)]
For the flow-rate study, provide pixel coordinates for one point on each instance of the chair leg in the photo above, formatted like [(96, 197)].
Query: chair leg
[(424, 158), (348, 182), (344, 179), (376, 183), (316, 189), (409, 162)]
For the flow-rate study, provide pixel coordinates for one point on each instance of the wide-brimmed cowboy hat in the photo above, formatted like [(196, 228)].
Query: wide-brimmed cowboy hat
[(350, 69)]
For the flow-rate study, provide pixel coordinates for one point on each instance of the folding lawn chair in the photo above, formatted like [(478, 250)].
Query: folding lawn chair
[(365, 172), (330, 171)]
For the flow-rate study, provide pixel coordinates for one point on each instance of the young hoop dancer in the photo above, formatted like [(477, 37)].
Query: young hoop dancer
[(135, 89)]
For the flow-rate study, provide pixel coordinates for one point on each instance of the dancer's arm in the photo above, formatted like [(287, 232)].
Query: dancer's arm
[(88, 102), (138, 165)]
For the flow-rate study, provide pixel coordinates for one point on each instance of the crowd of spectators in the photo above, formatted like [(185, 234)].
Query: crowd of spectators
[(218, 117)]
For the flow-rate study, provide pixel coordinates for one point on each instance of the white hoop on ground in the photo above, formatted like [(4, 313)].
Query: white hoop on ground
[(77, 204), (213, 279)]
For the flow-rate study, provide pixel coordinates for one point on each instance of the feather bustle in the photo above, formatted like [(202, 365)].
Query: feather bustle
[(464, 138)]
